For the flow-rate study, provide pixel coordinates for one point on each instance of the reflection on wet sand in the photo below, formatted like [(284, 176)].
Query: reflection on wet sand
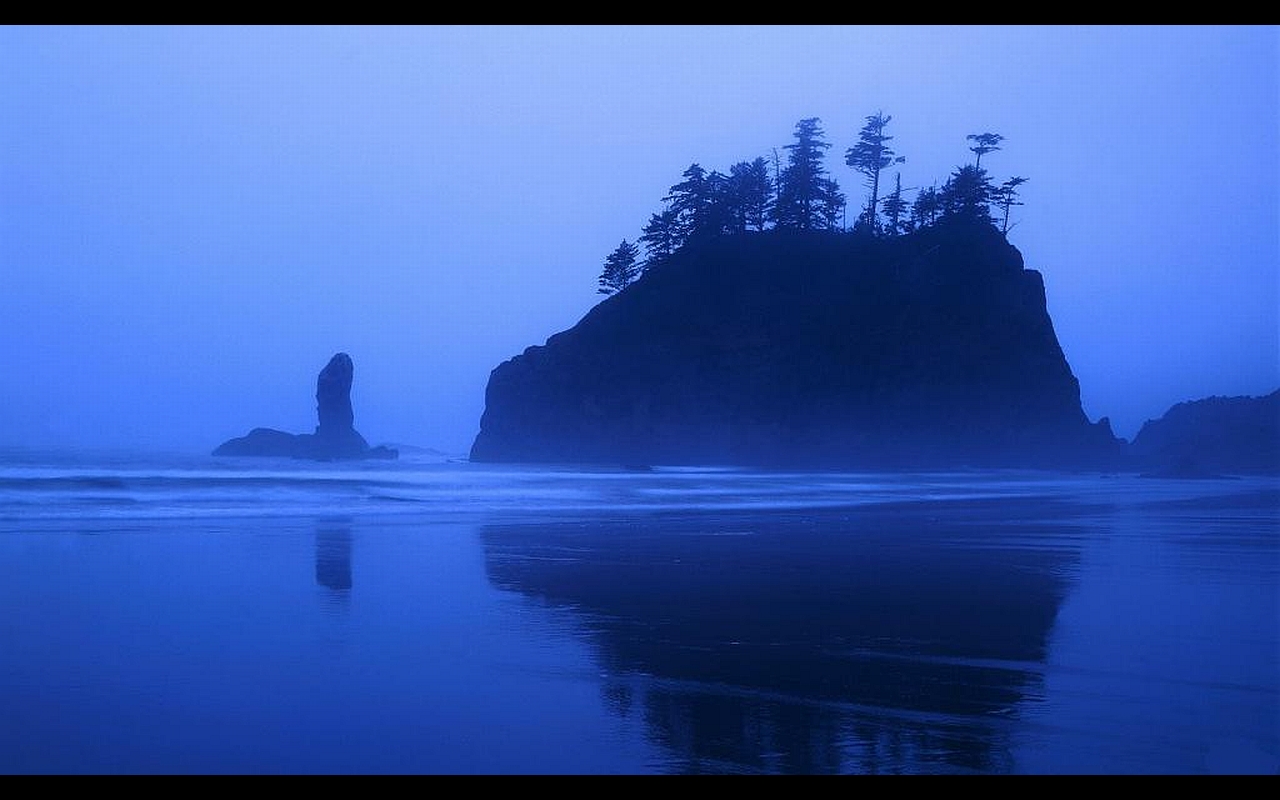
[(333, 556), (897, 638)]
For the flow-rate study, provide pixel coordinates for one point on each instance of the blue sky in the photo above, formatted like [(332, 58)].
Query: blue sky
[(192, 220)]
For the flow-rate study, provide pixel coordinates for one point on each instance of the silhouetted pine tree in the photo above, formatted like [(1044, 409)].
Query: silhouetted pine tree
[(967, 195), (718, 211), (832, 202), (1005, 196), (924, 211), (661, 236), (619, 268), (895, 209), (871, 155), (750, 189), (800, 186), (777, 184), (984, 143), (689, 200), (802, 196)]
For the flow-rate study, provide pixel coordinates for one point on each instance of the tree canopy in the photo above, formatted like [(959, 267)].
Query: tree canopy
[(967, 195), (751, 194), (804, 197), (620, 268), (1006, 195), (661, 236), (984, 143), (896, 210), (871, 155), (760, 194)]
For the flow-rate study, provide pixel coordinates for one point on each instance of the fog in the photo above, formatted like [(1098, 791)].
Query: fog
[(193, 220)]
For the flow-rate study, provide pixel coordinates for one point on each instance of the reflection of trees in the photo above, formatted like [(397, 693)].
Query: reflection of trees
[(874, 640), (333, 556)]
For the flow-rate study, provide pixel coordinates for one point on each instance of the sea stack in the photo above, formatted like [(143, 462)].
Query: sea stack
[(807, 349), (335, 436)]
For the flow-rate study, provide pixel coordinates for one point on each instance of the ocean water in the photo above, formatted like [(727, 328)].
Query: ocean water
[(184, 614)]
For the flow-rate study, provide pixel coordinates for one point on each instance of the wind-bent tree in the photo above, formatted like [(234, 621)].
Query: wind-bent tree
[(620, 268), (924, 211), (1005, 196), (871, 155), (895, 209), (984, 143), (800, 186), (967, 195), (749, 191), (661, 236)]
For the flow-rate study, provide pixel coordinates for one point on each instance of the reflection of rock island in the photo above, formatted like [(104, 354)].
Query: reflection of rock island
[(333, 556), (897, 639), (335, 435)]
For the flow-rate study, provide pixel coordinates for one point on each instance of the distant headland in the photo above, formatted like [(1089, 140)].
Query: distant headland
[(1211, 437)]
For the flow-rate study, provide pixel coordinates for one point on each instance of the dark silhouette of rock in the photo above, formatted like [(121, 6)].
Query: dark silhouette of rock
[(797, 349), (260, 442), (335, 436), (1211, 437)]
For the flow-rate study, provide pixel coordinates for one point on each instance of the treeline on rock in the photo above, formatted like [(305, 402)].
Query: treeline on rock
[(765, 194)]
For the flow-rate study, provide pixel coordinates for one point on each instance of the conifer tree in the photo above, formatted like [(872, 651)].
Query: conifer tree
[(924, 211), (620, 268), (895, 209), (689, 200), (777, 182), (800, 186), (750, 189), (661, 236), (1005, 196), (984, 143), (718, 212), (832, 202), (871, 155), (967, 195)]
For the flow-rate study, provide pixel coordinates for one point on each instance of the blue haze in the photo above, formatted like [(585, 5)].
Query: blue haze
[(192, 220)]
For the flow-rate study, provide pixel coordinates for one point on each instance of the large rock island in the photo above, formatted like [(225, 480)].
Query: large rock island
[(795, 348), (335, 436)]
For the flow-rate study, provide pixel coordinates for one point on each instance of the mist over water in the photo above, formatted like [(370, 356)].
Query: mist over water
[(193, 220)]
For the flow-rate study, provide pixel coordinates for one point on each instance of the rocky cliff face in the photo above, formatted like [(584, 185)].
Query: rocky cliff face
[(335, 436), (1212, 436), (799, 349)]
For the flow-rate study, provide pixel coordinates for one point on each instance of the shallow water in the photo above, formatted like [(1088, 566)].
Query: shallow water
[(201, 615)]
